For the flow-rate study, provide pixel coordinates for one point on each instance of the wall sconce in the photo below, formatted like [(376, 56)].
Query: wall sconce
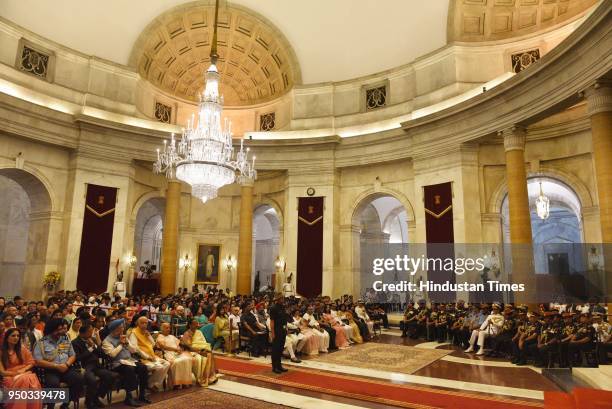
[(279, 263), (131, 260), (230, 263), (185, 262)]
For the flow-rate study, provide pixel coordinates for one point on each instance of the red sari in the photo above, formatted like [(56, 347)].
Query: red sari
[(26, 380)]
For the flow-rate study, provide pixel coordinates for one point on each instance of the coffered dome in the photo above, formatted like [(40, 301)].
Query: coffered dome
[(256, 61)]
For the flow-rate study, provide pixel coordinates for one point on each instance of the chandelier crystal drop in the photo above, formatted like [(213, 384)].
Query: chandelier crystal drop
[(204, 157), (542, 204)]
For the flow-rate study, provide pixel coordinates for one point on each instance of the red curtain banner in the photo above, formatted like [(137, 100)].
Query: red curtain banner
[(310, 246), (97, 238), (439, 231)]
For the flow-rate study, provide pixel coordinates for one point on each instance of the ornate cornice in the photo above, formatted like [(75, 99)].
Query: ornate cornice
[(599, 97), (514, 138)]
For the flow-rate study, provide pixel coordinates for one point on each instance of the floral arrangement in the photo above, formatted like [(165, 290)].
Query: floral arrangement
[(52, 278)]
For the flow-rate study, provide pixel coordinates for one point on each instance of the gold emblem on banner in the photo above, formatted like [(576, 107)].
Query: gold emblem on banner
[(438, 215), (318, 219), (94, 211)]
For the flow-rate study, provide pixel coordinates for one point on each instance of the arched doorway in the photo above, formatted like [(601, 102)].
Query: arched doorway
[(25, 208), (555, 238), (558, 250), (380, 230), (266, 234), (148, 234)]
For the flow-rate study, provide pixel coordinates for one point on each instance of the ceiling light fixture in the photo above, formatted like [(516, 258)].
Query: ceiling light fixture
[(204, 157)]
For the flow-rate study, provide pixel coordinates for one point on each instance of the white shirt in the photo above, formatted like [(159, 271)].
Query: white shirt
[(235, 320), (310, 319), (361, 313), (493, 323)]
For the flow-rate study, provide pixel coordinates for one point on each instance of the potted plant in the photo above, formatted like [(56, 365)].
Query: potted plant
[(51, 280)]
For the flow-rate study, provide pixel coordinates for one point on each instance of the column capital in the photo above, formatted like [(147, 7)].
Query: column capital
[(599, 97), (514, 138), (245, 181)]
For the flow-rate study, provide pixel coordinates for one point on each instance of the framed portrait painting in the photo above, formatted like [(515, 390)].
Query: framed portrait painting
[(208, 267)]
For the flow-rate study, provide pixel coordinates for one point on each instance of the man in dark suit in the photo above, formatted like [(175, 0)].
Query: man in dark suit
[(278, 332), (98, 380)]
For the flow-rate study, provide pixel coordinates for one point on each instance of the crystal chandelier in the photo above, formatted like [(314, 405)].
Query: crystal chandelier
[(542, 204), (204, 157)]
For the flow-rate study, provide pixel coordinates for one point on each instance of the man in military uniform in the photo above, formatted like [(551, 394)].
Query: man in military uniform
[(583, 339), (421, 321), (54, 353), (567, 332), (441, 324), (408, 323), (603, 329), (501, 343), (490, 327), (527, 336), (278, 332), (431, 322), (548, 338)]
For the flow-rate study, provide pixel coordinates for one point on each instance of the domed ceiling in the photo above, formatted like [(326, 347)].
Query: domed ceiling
[(256, 61), (297, 42)]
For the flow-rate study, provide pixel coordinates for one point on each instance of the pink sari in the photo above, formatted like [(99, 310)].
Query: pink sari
[(26, 380), (341, 341)]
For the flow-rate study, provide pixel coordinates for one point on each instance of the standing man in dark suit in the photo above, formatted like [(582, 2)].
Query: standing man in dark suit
[(278, 332)]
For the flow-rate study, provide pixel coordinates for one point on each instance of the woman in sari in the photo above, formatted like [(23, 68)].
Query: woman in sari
[(180, 361), (204, 368), (141, 340), (131, 309), (311, 340), (337, 313), (356, 337), (222, 328), (336, 324), (200, 316), (16, 363), (73, 332)]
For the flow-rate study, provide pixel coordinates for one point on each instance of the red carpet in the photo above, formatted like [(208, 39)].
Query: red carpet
[(580, 398), (369, 390)]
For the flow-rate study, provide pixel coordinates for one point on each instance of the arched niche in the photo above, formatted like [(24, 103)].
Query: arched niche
[(148, 232), (266, 244), (25, 219), (379, 229)]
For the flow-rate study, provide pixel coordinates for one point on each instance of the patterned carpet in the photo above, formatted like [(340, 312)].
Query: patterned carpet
[(209, 399), (384, 357)]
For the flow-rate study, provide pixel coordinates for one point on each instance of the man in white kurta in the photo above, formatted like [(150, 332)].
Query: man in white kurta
[(322, 335), (142, 342)]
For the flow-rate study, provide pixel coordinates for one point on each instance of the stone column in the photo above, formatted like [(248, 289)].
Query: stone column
[(520, 218), (170, 237), (245, 238), (599, 103)]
